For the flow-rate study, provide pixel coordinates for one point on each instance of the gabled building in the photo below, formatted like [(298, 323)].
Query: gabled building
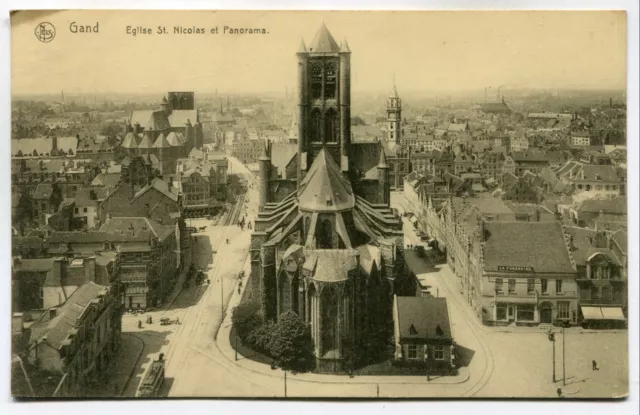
[(601, 260), (77, 340), (422, 334), (528, 275)]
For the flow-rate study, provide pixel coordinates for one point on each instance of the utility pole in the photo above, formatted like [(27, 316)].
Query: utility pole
[(552, 339), (235, 329), (285, 383), (564, 377), (377, 390)]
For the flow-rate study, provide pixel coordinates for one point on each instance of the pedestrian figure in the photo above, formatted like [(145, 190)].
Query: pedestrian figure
[(559, 391), (594, 365), (139, 324), (177, 320)]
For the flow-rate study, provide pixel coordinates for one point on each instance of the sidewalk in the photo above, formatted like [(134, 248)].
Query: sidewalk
[(120, 370), (223, 343)]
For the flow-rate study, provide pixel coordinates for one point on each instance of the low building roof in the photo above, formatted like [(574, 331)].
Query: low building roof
[(539, 245), (423, 318)]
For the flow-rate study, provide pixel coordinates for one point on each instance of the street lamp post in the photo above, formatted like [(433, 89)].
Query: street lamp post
[(285, 383), (564, 377)]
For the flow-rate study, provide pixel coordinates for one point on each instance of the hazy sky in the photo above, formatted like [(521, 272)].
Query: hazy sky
[(427, 51)]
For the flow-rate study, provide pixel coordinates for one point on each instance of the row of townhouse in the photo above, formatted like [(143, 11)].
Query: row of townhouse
[(513, 271)]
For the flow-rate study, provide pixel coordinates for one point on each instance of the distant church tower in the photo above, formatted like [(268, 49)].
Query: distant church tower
[(394, 117), (324, 101)]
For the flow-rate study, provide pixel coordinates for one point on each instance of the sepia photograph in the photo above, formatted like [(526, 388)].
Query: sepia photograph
[(319, 204)]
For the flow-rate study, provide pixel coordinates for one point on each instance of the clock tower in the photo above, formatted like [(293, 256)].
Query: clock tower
[(394, 117)]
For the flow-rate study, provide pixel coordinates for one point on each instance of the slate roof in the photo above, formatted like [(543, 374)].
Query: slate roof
[(325, 182), (130, 141), (323, 42), (175, 139), (83, 195), (540, 245), (161, 142), (106, 180), (43, 191), (35, 265), (117, 235), (616, 206), (331, 265), (425, 315), (138, 223), (59, 328), (146, 142), (161, 186), (281, 156)]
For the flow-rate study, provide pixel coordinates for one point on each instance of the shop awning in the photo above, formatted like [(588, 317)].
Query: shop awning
[(612, 313), (591, 313)]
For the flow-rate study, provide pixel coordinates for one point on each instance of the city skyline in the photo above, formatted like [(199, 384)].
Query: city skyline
[(497, 49)]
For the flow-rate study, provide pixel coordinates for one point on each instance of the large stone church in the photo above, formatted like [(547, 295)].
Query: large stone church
[(326, 243)]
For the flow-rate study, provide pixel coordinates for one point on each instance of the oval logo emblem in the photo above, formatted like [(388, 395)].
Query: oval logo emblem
[(45, 32)]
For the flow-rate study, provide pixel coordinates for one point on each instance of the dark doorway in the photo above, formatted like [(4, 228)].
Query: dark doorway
[(545, 314)]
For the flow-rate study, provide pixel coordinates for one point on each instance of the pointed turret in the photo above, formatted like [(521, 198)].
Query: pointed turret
[(264, 173), (382, 163), (302, 48), (323, 42), (344, 47)]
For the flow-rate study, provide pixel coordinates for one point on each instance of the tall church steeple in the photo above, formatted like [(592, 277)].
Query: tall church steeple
[(324, 101), (394, 115)]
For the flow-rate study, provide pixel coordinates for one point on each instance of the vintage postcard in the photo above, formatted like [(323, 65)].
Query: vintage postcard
[(319, 204)]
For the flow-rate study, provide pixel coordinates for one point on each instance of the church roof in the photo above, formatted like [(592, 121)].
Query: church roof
[(130, 141), (146, 141), (324, 187), (175, 139), (161, 142), (323, 42)]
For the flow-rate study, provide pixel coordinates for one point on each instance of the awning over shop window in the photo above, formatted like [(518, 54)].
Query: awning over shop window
[(592, 313), (612, 313)]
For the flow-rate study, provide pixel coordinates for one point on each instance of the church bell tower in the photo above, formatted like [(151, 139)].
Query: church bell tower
[(394, 116), (324, 101)]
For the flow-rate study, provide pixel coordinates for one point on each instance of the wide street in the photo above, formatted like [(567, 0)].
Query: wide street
[(501, 362)]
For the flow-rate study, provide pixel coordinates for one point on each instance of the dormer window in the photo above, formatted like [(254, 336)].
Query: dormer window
[(439, 331), (412, 330), (329, 202)]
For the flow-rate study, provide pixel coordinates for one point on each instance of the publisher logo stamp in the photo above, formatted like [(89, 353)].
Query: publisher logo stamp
[(45, 32)]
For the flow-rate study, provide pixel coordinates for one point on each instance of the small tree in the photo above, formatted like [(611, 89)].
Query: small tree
[(291, 343), (244, 317)]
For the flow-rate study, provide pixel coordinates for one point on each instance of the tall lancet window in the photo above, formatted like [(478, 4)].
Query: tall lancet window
[(316, 126), (324, 235), (330, 81), (331, 126), (316, 81)]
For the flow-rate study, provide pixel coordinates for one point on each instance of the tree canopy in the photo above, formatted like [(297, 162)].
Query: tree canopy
[(291, 343)]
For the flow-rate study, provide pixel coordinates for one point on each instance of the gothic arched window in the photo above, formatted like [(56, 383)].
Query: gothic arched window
[(331, 126), (316, 81), (316, 126), (330, 81)]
